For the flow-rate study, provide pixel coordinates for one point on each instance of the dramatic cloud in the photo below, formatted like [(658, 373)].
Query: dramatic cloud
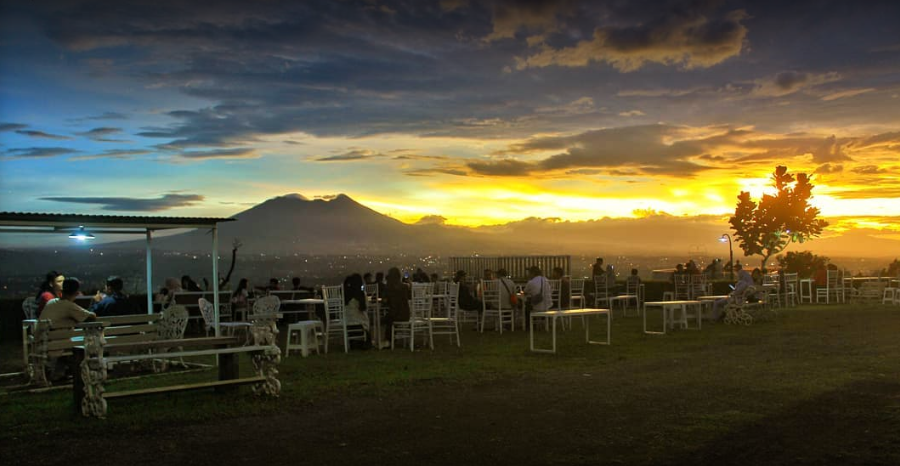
[(131, 204), (101, 134), (847, 93), (788, 82), (121, 154), (432, 220), (11, 126), (239, 153), (41, 134), (355, 154), (685, 37), (40, 152)]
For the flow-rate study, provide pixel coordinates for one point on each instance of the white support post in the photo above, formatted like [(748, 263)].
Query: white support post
[(149, 274), (215, 275)]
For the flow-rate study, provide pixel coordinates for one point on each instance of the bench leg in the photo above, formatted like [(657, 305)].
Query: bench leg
[(228, 370), (77, 380)]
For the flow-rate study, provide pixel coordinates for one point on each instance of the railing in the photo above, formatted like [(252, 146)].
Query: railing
[(516, 266)]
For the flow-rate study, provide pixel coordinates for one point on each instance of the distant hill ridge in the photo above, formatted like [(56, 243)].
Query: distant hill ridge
[(294, 223)]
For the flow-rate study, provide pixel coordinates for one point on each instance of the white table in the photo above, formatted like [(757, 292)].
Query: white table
[(309, 306), (624, 298), (668, 308), (553, 315), (710, 300)]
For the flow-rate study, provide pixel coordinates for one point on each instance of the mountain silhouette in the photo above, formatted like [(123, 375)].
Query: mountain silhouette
[(337, 225)]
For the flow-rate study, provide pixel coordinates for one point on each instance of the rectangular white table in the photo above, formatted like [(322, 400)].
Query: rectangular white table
[(668, 308), (553, 315)]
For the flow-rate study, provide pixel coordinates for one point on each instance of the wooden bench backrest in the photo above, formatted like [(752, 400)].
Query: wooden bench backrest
[(121, 329)]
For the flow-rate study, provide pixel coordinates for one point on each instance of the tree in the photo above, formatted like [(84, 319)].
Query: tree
[(804, 263), (893, 269), (768, 227)]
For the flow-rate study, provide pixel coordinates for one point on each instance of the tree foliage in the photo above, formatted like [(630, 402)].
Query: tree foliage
[(893, 269), (803, 263), (769, 226)]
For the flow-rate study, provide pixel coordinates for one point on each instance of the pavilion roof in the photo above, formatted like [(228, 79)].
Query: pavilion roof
[(17, 221)]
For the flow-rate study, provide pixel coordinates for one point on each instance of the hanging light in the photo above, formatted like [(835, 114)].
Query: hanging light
[(81, 234)]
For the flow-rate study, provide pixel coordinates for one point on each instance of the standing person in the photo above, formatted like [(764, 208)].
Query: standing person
[(51, 288), (115, 302), (396, 296), (597, 268), (537, 292)]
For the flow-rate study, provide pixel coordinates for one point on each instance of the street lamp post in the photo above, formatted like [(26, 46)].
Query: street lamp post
[(726, 237)]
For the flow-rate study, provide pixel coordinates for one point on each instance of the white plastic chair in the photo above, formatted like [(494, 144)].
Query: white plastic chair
[(601, 292), (576, 293), (791, 288)]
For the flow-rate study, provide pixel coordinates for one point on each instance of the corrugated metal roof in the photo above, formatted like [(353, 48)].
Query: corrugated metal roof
[(63, 220)]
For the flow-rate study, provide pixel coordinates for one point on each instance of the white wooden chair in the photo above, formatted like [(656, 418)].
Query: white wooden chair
[(833, 289), (790, 289), (601, 293), (771, 290), (29, 307), (446, 324), (699, 286), (682, 286), (576, 293), (494, 308), (419, 318), (207, 311), (336, 319)]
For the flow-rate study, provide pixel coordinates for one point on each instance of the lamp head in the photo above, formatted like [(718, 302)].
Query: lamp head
[(81, 235)]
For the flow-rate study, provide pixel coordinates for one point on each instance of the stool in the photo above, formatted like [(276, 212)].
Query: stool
[(806, 284), (890, 296), (668, 296), (309, 336)]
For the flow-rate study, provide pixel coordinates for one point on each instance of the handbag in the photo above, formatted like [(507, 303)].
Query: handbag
[(513, 299)]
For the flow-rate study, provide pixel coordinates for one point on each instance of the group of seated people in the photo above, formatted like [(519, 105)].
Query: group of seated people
[(58, 293)]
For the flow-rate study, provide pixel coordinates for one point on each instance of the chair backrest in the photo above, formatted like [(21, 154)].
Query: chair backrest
[(682, 285), (791, 280), (833, 279), (576, 287), (29, 307), (174, 322), (490, 294), (207, 311), (439, 288), (420, 304), (372, 291), (266, 305), (600, 287), (555, 286), (334, 303), (452, 300)]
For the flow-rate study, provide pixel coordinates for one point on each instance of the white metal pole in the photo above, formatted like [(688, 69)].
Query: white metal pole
[(215, 275), (149, 274)]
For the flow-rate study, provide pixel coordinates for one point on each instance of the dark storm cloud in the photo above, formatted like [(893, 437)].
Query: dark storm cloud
[(11, 126), (358, 68), (41, 134), (131, 204), (40, 152)]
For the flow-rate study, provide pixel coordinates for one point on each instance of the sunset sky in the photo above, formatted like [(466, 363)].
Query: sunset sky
[(479, 112)]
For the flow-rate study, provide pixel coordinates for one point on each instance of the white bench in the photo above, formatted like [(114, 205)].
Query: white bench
[(553, 315)]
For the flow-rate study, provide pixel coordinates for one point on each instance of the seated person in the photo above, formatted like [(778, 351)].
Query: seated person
[(744, 281), (633, 282), (63, 312), (51, 288), (114, 302), (537, 292), (467, 302), (507, 289)]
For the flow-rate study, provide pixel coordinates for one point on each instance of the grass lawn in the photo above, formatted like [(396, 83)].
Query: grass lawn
[(820, 385)]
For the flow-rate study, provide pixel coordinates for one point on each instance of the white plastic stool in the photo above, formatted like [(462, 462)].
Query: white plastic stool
[(309, 336)]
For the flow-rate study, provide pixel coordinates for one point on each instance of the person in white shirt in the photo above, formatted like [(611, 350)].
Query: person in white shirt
[(537, 292)]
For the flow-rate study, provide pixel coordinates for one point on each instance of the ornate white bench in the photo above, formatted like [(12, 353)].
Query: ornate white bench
[(91, 361)]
